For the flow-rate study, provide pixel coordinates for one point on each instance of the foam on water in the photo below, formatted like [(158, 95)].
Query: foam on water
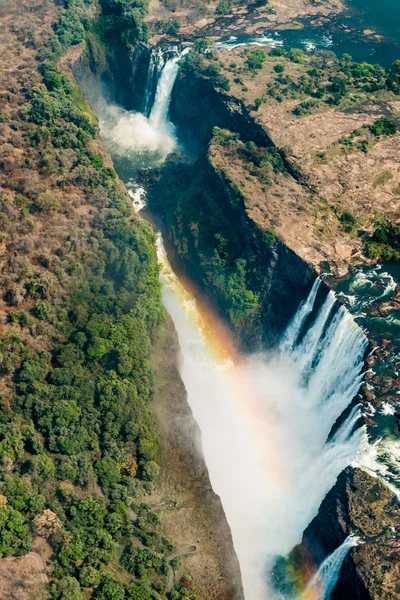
[(265, 427)]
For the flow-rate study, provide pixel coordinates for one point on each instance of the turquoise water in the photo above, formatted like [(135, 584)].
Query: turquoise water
[(382, 15), (343, 34)]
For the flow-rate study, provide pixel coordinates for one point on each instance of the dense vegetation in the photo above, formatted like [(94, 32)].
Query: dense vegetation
[(332, 81), (202, 61), (80, 302), (203, 214), (385, 241)]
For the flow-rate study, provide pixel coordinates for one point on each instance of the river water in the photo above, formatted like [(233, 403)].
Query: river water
[(343, 34), (265, 420)]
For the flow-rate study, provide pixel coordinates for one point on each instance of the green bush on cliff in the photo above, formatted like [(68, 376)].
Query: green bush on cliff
[(122, 20), (385, 242), (255, 59), (202, 61), (383, 126), (296, 55)]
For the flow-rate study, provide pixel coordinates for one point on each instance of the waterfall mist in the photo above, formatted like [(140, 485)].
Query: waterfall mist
[(135, 139), (265, 421)]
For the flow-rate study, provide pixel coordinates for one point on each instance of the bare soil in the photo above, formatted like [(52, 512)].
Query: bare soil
[(25, 578)]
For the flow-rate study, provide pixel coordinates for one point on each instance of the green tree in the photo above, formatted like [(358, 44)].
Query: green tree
[(296, 55)]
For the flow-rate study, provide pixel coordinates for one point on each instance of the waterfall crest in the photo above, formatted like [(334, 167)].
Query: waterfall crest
[(323, 583), (295, 327)]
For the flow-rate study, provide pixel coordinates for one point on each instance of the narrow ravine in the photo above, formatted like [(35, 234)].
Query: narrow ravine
[(269, 422)]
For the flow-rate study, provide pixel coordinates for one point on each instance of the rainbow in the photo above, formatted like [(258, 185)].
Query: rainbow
[(221, 348)]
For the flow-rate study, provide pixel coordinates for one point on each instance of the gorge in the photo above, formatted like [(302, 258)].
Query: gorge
[(199, 323), (275, 410)]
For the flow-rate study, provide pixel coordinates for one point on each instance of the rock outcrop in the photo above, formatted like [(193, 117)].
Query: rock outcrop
[(362, 505)]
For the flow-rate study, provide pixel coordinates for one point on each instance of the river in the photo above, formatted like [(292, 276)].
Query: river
[(343, 34)]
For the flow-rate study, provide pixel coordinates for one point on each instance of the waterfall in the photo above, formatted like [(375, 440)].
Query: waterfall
[(156, 65), (295, 327), (266, 426), (266, 420), (323, 583), (159, 113), (135, 139)]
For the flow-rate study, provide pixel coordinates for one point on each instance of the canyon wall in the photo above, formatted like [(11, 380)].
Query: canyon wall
[(215, 569), (254, 281)]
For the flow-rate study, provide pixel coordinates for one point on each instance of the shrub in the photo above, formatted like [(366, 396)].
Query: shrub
[(279, 68), (269, 237), (150, 470), (223, 7), (41, 310), (46, 202), (277, 51), (15, 537), (383, 126), (296, 55), (255, 59)]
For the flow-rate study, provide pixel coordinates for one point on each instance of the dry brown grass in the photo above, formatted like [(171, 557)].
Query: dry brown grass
[(23, 578)]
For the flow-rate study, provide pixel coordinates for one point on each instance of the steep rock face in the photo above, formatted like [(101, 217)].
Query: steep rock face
[(363, 505), (210, 237), (122, 70), (196, 107)]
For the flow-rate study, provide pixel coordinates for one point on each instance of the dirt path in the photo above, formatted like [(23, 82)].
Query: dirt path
[(38, 560), (170, 581), (161, 506), (40, 565)]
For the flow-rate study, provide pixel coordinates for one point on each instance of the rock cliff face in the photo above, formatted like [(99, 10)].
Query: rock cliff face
[(207, 231), (121, 69), (360, 504), (196, 107)]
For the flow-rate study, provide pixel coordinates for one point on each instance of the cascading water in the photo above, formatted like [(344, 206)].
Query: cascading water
[(135, 139), (323, 583), (265, 419), (159, 113), (265, 430), (156, 64)]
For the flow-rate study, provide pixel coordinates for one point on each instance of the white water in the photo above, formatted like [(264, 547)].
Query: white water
[(264, 421), (264, 431), (130, 134), (156, 64), (272, 41), (159, 113), (294, 329), (138, 195), (324, 581)]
